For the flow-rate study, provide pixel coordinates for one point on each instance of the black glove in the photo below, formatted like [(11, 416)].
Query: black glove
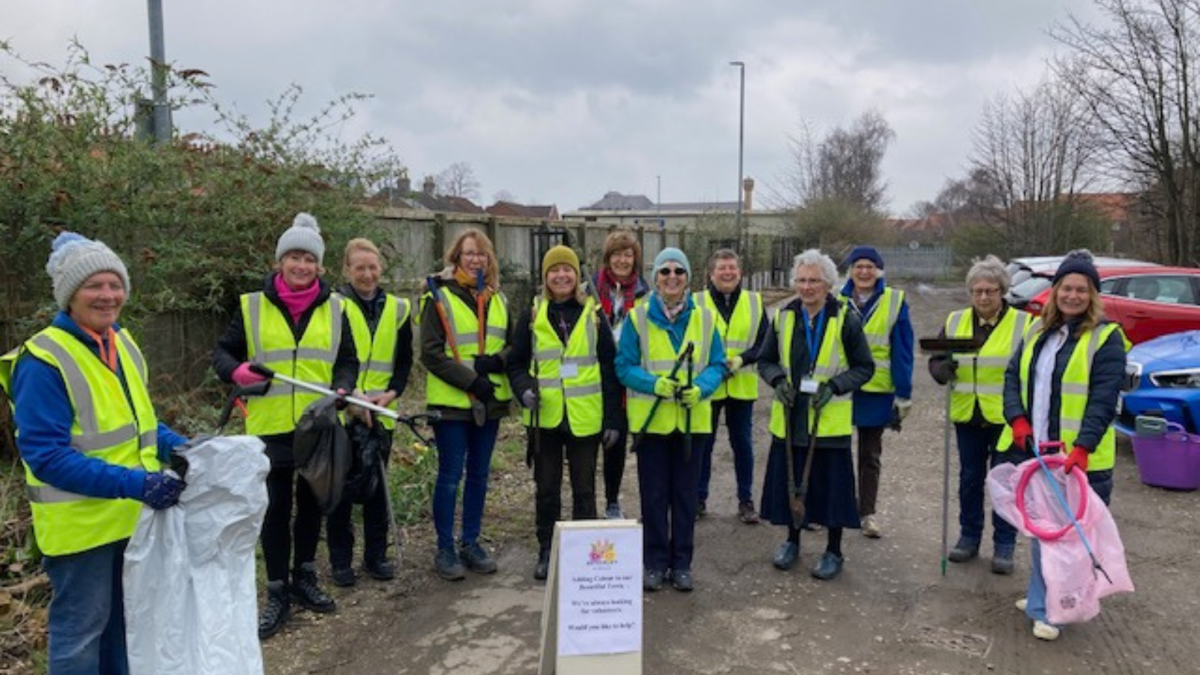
[(489, 364), (824, 395), (483, 389), (161, 491), (944, 370), (785, 393), (178, 460)]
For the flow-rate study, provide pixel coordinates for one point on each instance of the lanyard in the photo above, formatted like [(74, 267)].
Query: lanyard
[(813, 335)]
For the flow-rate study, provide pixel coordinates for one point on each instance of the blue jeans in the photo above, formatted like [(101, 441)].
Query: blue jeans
[(1035, 593), (462, 444), (87, 612), (738, 417), (976, 446)]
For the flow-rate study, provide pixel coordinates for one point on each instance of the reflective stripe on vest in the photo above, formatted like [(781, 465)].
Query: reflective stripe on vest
[(377, 351), (1073, 397), (877, 328), (980, 376), (464, 326), (581, 394), (658, 358), (113, 423), (737, 336), (271, 343), (836, 416)]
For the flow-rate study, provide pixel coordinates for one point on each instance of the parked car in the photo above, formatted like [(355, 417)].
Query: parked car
[(1146, 301), (1030, 276), (1163, 381)]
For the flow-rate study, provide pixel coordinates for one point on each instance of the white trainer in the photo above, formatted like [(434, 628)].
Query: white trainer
[(1044, 631), (1022, 604)]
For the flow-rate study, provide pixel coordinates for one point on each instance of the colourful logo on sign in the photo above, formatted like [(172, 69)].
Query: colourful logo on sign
[(603, 551)]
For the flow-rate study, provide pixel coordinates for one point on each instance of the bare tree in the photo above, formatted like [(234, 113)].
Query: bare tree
[(1136, 75), (504, 196), (843, 166), (458, 180)]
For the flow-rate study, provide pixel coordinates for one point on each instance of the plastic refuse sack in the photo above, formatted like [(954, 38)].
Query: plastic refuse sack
[(321, 450), (190, 599), (369, 447), (1073, 588)]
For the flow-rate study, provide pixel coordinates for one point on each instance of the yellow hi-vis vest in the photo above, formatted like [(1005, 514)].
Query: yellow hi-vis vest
[(878, 330), (568, 377), (270, 342), (980, 376), (377, 352), (1074, 391), (465, 328), (108, 426), (658, 358), (737, 335), (836, 416)]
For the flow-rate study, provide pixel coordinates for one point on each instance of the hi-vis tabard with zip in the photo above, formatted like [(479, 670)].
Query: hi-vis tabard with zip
[(377, 353), (980, 376), (465, 326), (568, 376), (658, 358), (737, 335), (877, 328), (1074, 391), (270, 342), (109, 425), (831, 360)]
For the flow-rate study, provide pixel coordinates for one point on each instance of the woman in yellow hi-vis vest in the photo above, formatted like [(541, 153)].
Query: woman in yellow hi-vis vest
[(561, 364), (815, 357), (92, 450), (297, 327), (383, 335), (671, 409), (1063, 385), (464, 331), (977, 404)]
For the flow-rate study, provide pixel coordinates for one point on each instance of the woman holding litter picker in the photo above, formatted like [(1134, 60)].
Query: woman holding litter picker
[(1062, 385), (464, 330), (561, 363), (815, 357), (671, 361), (296, 326)]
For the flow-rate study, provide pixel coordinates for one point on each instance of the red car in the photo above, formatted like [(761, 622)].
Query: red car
[(1146, 301)]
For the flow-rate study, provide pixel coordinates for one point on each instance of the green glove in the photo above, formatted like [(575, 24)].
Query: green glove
[(664, 387), (785, 393), (690, 396), (824, 395)]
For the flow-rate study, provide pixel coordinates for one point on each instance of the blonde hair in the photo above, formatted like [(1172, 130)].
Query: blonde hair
[(359, 245), (619, 240), (453, 257), (1052, 316)]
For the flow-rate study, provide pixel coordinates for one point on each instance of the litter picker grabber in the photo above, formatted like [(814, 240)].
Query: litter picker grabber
[(685, 354), (238, 398), (478, 409), (594, 294), (687, 416), (801, 491), (535, 413), (949, 347), (1062, 501)]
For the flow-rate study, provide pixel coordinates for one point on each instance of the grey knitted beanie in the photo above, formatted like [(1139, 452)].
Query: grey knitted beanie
[(303, 235), (74, 258)]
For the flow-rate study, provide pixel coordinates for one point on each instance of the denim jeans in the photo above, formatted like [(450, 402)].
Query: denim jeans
[(738, 417), (976, 446), (462, 445), (87, 612)]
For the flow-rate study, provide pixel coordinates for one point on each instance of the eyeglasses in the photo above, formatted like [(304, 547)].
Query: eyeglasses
[(668, 271), (984, 292), (809, 282), (474, 254)]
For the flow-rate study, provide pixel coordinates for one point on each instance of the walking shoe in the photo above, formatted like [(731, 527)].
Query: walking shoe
[(1022, 604), (1002, 559), (343, 577), (306, 591), (447, 565), (681, 580), (542, 569), (476, 558), (747, 513), (275, 612), (828, 567), (870, 528), (701, 509), (964, 550), (613, 511), (381, 570), (1045, 631), (786, 555), (652, 580)]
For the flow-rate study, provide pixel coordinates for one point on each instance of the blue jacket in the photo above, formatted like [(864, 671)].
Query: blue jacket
[(871, 409), (629, 351), (43, 416)]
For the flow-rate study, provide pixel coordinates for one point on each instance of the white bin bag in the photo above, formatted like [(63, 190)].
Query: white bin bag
[(190, 601)]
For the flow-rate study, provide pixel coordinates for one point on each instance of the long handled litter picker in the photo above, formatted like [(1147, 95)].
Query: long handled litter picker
[(685, 354), (1062, 501), (800, 493), (687, 417)]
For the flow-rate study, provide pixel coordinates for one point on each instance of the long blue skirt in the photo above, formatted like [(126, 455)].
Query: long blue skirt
[(830, 501)]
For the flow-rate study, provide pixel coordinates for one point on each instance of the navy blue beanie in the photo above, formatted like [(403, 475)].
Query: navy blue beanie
[(1078, 261), (863, 252)]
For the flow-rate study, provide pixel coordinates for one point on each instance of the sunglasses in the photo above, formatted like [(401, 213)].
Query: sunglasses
[(668, 271)]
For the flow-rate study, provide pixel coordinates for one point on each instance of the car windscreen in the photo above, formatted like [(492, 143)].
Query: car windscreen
[(1028, 288)]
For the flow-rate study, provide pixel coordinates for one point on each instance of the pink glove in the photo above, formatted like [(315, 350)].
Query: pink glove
[(244, 377)]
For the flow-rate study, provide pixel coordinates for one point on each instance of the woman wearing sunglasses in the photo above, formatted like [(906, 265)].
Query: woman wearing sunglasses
[(669, 408)]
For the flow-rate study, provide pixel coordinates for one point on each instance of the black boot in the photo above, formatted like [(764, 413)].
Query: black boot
[(306, 591), (275, 611), (542, 569)]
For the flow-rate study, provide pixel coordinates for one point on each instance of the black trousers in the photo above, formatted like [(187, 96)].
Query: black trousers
[(339, 528), (280, 532), (580, 454), (614, 464)]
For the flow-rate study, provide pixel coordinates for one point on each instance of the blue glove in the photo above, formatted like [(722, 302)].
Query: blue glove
[(161, 491)]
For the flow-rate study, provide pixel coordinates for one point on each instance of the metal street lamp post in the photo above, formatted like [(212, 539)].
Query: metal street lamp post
[(742, 238)]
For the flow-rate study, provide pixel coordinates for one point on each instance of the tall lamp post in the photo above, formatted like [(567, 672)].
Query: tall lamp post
[(742, 238)]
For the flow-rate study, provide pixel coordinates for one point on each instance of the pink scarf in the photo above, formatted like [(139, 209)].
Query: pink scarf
[(296, 301)]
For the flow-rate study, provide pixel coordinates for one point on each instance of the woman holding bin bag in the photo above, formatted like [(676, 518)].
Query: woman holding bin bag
[(561, 362)]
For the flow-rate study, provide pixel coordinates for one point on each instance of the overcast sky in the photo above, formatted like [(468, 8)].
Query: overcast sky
[(560, 101)]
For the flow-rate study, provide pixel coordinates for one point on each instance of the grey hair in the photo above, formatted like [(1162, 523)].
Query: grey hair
[(991, 269), (823, 262)]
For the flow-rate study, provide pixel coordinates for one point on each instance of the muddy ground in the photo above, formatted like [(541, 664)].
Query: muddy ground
[(891, 611)]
